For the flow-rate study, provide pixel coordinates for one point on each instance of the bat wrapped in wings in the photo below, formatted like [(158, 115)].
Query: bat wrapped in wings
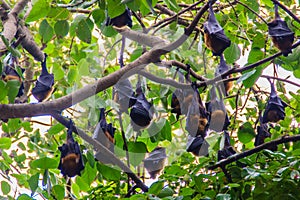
[(281, 34), (155, 162), (214, 36), (71, 163)]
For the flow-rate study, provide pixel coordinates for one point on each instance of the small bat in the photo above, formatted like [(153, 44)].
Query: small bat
[(274, 110), (281, 34), (218, 119), (141, 113), (9, 72), (262, 134), (222, 68), (197, 145), (196, 121), (44, 85), (122, 20), (177, 98), (104, 133), (71, 163), (214, 36), (155, 161), (124, 95), (227, 148)]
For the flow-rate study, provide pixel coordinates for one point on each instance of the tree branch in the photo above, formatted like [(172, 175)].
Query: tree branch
[(287, 10), (267, 145)]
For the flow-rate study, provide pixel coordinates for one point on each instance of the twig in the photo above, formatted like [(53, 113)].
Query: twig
[(267, 145), (246, 6)]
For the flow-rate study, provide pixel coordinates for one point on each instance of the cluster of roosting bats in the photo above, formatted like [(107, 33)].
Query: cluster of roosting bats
[(199, 118)]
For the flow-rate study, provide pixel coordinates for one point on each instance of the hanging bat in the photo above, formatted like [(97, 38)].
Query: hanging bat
[(71, 163), (218, 119), (155, 161), (196, 121), (222, 68), (227, 149), (104, 133), (141, 113), (122, 20), (44, 85), (124, 95), (214, 36), (281, 34), (197, 145), (274, 110), (263, 133), (9, 72), (177, 98)]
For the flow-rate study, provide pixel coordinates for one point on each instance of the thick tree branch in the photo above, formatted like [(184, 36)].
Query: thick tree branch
[(10, 24), (103, 149), (267, 145)]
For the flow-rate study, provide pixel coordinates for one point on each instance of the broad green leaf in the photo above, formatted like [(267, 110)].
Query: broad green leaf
[(58, 13), (109, 173), (24, 197), (83, 185), (61, 28), (172, 4), (58, 191), (72, 74), (33, 182), (246, 133), (75, 189), (89, 174), (56, 129), (156, 187), (98, 16), (44, 163), (166, 192), (40, 9), (58, 72), (108, 31), (46, 31), (83, 31), (13, 88), (5, 143), (5, 187), (137, 151), (134, 5), (3, 90), (115, 8), (83, 66)]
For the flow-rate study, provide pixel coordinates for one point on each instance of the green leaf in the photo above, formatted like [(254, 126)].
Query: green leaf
[(13, 88), (44, 163), (134, 5), (166, 192), (3, 90), (58, 13), (137, 151), (89, 174), (98, 16), (58, 191), (5, 143), (232, 53), (40, 9), (72, 75), (56, 129), (115, 8), (46, 31), (75, 189), (156, 187), (61, 28), (5, 187), (24, 197), (172, 4), (33, 182), (14, 125), (109, 173), (246, 133), (83, 31), (83, 185)]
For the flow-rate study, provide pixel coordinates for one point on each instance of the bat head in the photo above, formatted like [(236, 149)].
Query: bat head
[(197, 145)]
